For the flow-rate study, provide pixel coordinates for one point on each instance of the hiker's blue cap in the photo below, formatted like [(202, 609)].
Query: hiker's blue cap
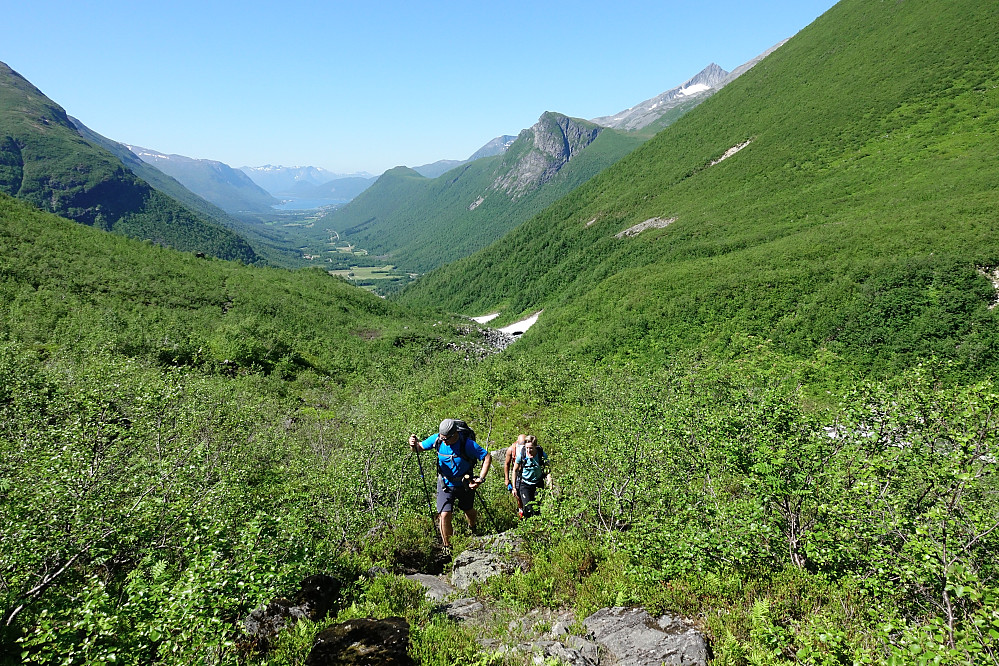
[(447, 427)]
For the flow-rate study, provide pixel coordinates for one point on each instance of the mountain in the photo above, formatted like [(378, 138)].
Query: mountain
[(698, 87), (266, 241), (801, 204), (282, 180), (405, 215), (437, 168), (340, 189), (401, 216), (229, 189), (45, 161), (156, 178), (495, 147)]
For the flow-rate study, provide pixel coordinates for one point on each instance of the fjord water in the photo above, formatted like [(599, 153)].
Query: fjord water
[(305, 203)]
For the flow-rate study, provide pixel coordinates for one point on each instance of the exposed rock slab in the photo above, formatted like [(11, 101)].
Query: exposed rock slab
[(633, 638), (437, 587), (487, 557)]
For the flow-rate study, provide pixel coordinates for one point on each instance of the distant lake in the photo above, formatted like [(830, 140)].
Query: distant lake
[(299, 203)]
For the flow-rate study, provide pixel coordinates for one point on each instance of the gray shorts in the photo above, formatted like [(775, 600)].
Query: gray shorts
[(461, 497)]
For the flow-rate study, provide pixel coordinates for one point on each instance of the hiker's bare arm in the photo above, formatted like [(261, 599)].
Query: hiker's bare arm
[(414, 442), (508, 463), (482, 473)]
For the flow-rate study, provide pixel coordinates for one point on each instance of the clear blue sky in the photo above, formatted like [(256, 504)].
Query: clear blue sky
[(368, 85)]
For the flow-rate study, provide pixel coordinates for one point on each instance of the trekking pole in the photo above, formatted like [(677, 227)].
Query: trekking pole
[(485, 508), (426, 494)]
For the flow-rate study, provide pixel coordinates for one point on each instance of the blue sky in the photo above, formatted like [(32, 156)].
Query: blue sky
[(365, 86)]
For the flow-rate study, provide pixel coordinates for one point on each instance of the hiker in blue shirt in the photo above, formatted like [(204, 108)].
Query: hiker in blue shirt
[(457, 452), (530, 472)]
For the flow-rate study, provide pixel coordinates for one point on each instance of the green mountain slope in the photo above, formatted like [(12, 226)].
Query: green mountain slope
[(268, 243), (45, 161), (423, 223), (856, 217), (73, 290)]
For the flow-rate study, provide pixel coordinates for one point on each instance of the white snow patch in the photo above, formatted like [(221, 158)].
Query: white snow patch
[(731, 151), (518, 328), (484, 319), (694, 89), (651, 223)]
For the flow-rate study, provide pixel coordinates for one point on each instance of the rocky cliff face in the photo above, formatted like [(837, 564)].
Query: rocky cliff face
[(541, 151)]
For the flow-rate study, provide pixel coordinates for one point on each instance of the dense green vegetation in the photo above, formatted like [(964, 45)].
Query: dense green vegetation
[(45, 161), (774, 416), (407, 216), (856, 219), (91, 291), (184, 439)]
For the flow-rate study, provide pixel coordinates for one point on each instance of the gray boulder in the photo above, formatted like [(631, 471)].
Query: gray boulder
[(632, 637), (437, 587), (486, 557)]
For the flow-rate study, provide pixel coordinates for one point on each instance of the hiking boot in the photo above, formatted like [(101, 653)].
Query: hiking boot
[(446, 552)]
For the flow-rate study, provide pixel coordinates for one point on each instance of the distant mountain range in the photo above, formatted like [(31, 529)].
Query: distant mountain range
[(283, 181), (499, 186), (339, 189), (495, 147), (46, 161), (229, 189)]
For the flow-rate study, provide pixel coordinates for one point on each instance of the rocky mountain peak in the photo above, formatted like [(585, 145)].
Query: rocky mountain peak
[(644, 113), (541, 151)]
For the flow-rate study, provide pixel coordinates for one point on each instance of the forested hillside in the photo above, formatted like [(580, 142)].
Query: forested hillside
[(45, 161), (421, 223), (858, 216), (772, 416)]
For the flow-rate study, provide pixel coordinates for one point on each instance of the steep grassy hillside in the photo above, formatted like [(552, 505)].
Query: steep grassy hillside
[(856, 217), (423, 223), (45, 161), (72, 290)]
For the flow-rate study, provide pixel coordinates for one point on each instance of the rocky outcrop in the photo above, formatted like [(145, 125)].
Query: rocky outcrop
[(633, 638), (620, 636), (541, 151), (363, 642), (316, 597), (487, 557)]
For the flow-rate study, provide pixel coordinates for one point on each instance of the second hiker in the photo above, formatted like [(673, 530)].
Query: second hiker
[(457, 452), (530, 472)]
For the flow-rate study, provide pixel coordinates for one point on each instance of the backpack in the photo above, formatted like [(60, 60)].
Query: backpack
[(465, 433)]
